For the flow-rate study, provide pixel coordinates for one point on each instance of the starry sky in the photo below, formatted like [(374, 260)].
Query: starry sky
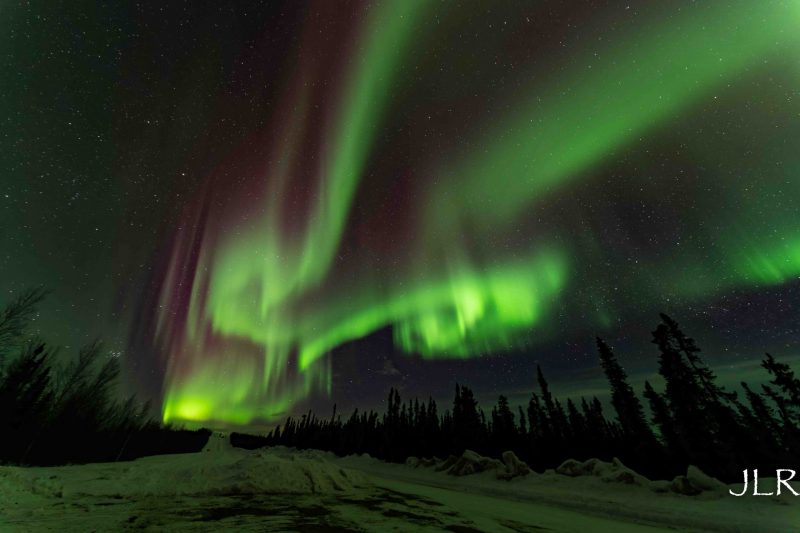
[(269, 206)]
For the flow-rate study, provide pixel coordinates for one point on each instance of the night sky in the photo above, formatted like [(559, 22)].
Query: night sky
[(273, 206)]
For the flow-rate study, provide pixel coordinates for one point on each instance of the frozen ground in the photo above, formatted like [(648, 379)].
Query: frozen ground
[(225, 489)]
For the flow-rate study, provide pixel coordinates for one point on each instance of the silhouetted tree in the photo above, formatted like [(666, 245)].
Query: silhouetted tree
[(468, 431), (704, 416), (14, 319), (504, 430), (630, 414), (51, 417), (551, 415), (785, 386), (698, 421), (783, 391)]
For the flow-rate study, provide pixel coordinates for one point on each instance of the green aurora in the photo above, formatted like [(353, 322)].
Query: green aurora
[(456, 293)]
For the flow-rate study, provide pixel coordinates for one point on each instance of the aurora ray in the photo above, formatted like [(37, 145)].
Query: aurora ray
[(267, 304)]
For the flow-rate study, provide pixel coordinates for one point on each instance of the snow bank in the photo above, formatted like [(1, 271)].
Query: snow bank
[(472, 463), (613, 472), (218, 442), (242, 472), (284, 489), (514, 467), (693, 483), (597, 490), (16, 485), (218, 470)]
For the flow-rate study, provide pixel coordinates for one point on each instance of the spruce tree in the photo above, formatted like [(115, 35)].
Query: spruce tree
[(552, 424), (685, 398), (662, 417), (538, 425), (504, 430), (784, 385), (783, 391), (576, 421), (14, 320), (764, 429), (705, 419), (627, 405), (467, 426), (689, 349)]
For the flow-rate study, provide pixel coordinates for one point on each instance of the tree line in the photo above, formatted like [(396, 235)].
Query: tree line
[(693, 420), (55, 414)]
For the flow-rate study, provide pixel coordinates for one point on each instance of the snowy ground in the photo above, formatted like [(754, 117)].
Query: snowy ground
[(286, 490)]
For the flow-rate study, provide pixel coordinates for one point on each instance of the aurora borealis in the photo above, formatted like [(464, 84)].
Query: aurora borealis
[(481, 183)]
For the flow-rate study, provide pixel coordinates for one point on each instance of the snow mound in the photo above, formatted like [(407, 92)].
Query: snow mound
[(703, 481), (613, 472), (242, 472), (693, 483), (682, 485), (416, 462), (16, 485), (470, 463), (572, 468), (514, 467), (218, 442)]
